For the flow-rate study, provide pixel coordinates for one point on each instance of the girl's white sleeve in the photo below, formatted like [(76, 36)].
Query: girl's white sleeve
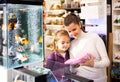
[(104, 60)]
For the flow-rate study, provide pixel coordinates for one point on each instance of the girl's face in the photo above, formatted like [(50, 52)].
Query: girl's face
[(73, 30), (63, 43)]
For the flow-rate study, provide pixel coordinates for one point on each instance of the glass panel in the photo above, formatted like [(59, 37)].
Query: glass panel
[(36, 75), (50, 76), (59, 70), (22, 35), (64, 72)]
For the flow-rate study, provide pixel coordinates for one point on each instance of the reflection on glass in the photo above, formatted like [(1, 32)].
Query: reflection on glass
[(59, 70), (34, 75)]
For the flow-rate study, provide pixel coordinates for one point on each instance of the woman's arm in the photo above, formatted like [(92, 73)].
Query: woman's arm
[(101, 49), (104, 60)]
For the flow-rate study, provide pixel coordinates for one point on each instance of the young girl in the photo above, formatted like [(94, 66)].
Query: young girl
[(55, 61)]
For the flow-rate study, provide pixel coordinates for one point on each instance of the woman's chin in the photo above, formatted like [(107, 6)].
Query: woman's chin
[(75, 37)]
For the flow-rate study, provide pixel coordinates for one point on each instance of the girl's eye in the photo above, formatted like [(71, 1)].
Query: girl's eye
[(69, 31), (63, 42)]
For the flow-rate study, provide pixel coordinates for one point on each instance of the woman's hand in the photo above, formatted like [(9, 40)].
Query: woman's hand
[(89, 62), (76, 66)]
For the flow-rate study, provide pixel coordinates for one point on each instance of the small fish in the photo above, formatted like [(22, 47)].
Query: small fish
[(21, 40), (10, 52), (3, 27), (40, 40), (15, 26), (25, 41), (23, 10), (12, 26), (18, 38)]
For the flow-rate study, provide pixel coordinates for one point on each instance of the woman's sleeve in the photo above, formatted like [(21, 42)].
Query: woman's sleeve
[(104, 60)]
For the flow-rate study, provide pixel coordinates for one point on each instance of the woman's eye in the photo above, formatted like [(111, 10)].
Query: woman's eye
[(68, 42), (74, 29)]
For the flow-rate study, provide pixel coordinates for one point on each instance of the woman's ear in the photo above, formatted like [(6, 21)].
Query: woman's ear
[(80, 25)]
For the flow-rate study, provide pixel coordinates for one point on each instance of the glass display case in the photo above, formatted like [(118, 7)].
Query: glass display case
[(21, 34), (33, 75), (25, 75)]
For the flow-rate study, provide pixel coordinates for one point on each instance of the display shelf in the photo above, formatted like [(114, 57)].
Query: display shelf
[(52, 18), (55, 11), (53, 22), (116, 43), (116, 5), (55, 26), (114, 24), (116, 57), (49, 45), (21, 39), (114, 60), (116, 29), (115, 71), (73, 10)]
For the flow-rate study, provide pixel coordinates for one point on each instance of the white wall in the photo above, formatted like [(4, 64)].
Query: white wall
[(95, 13), (93, 9), (5, 75)]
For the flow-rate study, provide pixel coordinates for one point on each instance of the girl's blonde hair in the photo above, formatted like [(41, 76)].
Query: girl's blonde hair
[(58, 35)]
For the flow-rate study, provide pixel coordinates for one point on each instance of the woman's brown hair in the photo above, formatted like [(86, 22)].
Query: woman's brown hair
[(72, 18)]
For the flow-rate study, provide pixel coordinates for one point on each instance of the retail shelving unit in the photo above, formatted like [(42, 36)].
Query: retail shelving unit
[(53, 21), (116, 29), (116, 40), (55, 11)]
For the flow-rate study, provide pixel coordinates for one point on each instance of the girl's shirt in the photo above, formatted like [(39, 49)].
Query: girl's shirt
[(55, 62)]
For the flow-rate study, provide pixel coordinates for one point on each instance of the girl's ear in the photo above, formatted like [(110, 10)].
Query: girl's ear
[(56, 43)]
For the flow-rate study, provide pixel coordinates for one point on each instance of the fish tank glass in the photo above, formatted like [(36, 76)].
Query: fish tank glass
[(26, 75), (35, 74), (21, 35)]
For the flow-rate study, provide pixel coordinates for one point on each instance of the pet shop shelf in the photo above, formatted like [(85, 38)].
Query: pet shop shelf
[(21, 34), (116, 30)]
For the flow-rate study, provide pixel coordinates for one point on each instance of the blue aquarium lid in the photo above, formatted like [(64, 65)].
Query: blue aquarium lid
[(29, 2)]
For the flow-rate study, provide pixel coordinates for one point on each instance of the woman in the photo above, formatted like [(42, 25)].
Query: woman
[(83, 43)]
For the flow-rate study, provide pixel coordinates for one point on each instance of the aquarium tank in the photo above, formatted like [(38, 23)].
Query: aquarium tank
[(21, 33)]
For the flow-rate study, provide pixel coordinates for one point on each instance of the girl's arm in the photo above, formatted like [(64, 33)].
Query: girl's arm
[(50, 61)]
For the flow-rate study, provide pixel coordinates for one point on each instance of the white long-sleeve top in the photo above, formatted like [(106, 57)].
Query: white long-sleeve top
[(93, 44)]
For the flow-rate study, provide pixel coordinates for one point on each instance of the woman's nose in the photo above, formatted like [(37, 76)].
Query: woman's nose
[(72, 33)]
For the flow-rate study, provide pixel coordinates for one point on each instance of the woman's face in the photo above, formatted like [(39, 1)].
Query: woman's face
[(63, 43), (73, 30)]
